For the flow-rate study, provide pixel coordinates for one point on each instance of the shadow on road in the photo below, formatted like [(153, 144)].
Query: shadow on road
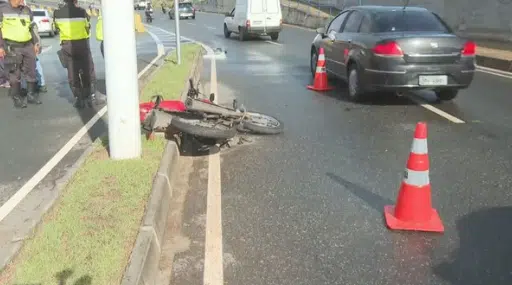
[(485, 252), (371, 199)]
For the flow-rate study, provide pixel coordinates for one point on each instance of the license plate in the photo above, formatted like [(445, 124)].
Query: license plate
[(433, 80)]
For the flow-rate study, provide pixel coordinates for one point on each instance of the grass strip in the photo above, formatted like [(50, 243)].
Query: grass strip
[(171, 74), (87, 237)]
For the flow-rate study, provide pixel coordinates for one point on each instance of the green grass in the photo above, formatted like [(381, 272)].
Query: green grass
[(87, 237), (168, 80)]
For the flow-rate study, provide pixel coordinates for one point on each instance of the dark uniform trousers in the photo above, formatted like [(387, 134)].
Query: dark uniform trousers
[(78, 57), (20, 61)]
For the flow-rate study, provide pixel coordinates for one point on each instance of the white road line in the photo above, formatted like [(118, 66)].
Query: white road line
[(15, 199), (213, 260), (494, 72), (435, 110), (46, 49), (192, 24), (274, 43), (210, 28)]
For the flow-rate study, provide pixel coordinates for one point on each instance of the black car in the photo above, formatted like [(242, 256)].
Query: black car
[(185, 10), (389, 48)]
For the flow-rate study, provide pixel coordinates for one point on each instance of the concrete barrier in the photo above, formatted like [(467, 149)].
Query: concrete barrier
[(297, 17)]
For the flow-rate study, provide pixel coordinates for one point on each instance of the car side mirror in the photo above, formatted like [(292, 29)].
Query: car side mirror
[(320, 31)]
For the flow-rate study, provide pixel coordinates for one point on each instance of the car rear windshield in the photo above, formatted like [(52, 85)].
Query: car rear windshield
[(408, 21), (39, 13), (185, 5)]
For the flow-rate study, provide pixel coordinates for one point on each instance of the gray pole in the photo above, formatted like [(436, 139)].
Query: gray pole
[(124, 134), (177, 24)]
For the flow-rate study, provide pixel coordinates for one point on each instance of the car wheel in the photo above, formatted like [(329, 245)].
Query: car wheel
[(447, 94), (274, 36), (313, 62), (355, 92), (51, 34), (241, 34), (227, 33)]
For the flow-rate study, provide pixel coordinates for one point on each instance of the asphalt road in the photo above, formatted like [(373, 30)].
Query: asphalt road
[(33, 135), (306, 207)]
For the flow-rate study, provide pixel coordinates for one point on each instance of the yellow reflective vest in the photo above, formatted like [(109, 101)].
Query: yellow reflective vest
[(16, 24), (73, 23), (99, 28)]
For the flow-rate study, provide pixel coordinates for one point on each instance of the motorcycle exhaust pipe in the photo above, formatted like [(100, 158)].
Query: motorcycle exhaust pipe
[(200, 106)]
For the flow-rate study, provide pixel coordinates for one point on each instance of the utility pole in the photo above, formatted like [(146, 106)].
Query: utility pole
[(177, 26), (124, 133)]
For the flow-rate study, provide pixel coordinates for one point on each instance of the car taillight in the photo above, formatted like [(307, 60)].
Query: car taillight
[(388, 49), (469, 49), (248, 23), (45, 20)]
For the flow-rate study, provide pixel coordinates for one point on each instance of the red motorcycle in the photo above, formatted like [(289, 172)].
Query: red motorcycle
[(203, 119)]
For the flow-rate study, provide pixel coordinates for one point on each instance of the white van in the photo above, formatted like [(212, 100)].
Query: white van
[(254, 17)]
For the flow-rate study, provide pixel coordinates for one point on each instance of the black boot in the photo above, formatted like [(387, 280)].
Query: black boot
[(97, 97), (87, 97), (79, 102), (15, 93), (32, 95)]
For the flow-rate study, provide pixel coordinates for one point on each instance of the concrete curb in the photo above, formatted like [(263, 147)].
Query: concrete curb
[(143, 266)]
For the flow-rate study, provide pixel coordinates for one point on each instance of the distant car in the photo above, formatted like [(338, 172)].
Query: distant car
[(385, 48), (44, 22), (254, 17), (185, 10), (141, 5)]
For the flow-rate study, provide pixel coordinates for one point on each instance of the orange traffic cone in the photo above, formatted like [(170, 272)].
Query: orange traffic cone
[(320, 83), (413, 210)]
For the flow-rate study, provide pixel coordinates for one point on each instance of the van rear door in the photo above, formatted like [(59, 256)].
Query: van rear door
[(273, 13), (257, 14)]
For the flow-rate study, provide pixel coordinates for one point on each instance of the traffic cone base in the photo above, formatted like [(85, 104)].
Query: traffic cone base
[(324, 88), (434, 224)]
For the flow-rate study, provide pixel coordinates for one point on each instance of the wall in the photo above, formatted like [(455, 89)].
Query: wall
[(489, 19)]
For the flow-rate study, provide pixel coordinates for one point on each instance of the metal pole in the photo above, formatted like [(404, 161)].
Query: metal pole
[(121, 79), (177, 26)]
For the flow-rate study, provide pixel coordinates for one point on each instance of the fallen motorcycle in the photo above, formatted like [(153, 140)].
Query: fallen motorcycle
[(204, 119)]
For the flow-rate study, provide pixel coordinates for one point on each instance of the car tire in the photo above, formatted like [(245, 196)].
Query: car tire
[(313, 62), (274, 36), (227, 33), (447, 94), (241, 34), (355, 92), (51, 34)]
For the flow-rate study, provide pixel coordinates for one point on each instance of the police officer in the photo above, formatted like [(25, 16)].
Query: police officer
[(74, 28), (19, 44), (99, 33)]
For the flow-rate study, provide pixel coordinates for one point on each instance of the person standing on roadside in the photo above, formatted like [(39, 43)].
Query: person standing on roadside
[(74, 28), (99, 33), (19, 44)]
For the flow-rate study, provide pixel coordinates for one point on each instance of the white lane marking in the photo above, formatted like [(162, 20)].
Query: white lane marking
[(15, 199), (46, 49), (213, 260), (210, 28), (494, 72), (209, 50), (192, 24), (435, 110), (274, 43)]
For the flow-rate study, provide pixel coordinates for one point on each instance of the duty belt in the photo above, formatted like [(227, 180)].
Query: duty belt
[(16, 44)]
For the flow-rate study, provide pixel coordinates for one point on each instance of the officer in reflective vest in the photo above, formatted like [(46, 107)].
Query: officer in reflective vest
[(99, 32), (19, 44), (74, 28)]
